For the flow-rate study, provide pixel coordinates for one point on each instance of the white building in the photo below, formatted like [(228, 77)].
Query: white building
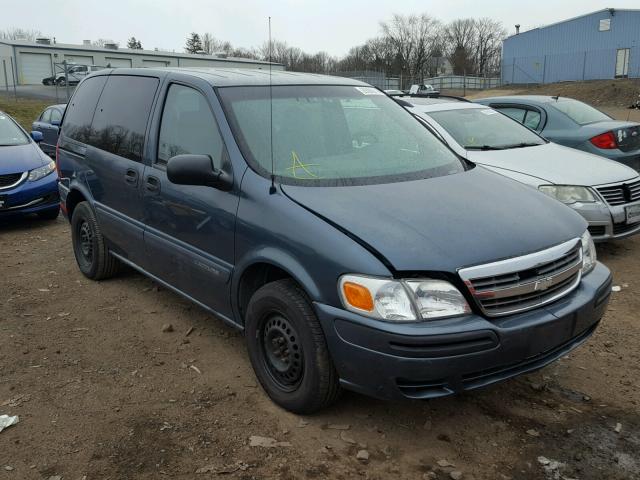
[(27, 63)]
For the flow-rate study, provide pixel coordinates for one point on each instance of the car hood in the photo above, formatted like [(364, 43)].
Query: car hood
[(444, 223), (554, 163), (20, 158)]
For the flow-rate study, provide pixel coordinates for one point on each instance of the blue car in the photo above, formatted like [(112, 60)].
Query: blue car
[(48, 123), (28, 178)]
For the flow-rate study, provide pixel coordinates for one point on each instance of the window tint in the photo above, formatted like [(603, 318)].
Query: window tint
[(532, 119), (516, 113), (56, 116), (579, 112), (188, 126), (46, 115), (121, 117), (77, 121)]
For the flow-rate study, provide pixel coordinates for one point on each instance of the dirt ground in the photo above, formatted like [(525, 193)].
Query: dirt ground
[(103, 392)]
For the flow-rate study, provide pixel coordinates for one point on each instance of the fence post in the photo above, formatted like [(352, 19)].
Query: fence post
[(513, 70), (584, 64), (13, 75), (6, 82), (544, 69), (66, 78)]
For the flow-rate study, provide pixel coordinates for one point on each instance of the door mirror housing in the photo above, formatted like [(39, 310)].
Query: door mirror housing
[(55, 123), (37, 136), (197, 170)]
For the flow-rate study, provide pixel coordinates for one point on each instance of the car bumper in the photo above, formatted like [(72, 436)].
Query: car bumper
[(30, 197), (607, 222), (439, 358)]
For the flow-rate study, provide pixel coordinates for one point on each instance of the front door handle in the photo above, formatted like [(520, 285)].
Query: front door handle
[(131, 176), (152, 184)]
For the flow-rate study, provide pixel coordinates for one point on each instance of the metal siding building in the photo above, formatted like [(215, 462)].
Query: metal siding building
[(599, 45), (27, 63)]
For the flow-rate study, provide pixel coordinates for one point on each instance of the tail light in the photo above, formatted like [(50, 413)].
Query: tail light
[(605, 141)]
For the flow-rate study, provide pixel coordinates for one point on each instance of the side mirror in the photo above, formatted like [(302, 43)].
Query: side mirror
[(197, 170), (55, 123), (37, 136)]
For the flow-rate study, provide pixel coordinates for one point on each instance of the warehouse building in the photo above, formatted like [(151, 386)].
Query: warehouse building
[(599, 45), (28, 63)]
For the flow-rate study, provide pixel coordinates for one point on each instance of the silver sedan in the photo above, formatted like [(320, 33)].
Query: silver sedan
[(604, 192)]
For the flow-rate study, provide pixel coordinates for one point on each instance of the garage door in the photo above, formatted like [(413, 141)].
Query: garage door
[(33, 68), (155, 63), (79, 59), (118, 62)]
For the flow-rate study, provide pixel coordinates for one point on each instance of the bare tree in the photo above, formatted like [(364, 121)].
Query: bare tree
[(461, 38), (211, 45), (101, 42), (414, 38), (20, 34), (489, 35)]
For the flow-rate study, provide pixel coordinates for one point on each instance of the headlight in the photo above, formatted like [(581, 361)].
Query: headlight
[(38, 173), (588, 253), (568, 193), (401, 300)]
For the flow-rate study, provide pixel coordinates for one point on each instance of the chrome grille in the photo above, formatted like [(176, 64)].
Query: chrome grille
[(11, 179), (621, 193), (522, 283)]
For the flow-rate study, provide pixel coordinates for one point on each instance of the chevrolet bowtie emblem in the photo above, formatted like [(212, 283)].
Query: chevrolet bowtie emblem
[(543, 284)]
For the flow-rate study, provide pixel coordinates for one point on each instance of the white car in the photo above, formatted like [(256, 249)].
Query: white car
[(75, 73), (604, 192)]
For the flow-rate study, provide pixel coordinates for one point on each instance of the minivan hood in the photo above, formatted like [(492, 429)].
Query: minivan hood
[(554, 163), (444, 223), (20, 158)]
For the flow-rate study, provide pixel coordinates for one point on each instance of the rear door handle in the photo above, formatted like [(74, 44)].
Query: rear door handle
[(131, 176), (152, 184)]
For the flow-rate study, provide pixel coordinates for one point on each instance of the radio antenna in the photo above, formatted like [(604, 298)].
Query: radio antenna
[(272, 190)]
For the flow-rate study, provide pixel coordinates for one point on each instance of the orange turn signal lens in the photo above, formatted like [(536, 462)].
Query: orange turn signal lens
[(358, 296)]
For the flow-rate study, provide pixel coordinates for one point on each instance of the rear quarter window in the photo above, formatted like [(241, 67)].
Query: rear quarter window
[(121, 117), (79, 113)]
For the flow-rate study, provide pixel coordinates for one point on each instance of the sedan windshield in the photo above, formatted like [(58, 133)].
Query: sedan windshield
[(333, 135), (579, 112), (10, 133), (485, 129)]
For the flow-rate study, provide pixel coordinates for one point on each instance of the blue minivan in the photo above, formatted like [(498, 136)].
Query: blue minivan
[(353, 247)]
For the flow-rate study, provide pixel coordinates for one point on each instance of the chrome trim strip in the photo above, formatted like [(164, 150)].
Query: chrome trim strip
[(28, 204), (20, 180)]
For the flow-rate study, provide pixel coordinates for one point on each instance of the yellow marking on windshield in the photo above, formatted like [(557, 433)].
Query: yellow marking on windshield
[(296, 164)]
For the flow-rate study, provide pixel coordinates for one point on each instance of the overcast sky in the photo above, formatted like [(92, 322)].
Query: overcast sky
[(330, 25)]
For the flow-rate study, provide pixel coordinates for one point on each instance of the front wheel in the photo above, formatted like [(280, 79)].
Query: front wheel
[(288, 349), (92, 255)]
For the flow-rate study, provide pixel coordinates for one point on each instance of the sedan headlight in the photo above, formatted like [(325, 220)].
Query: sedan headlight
[(588, 253), (40, 172), (401, 300), (568, 193)]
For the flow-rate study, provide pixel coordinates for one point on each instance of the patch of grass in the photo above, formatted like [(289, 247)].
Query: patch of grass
[(24, 111)]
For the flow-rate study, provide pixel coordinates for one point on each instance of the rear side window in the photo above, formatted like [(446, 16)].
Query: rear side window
[(121, 116), (46, 116), (188, 126), (516, 113), (532, 120), (77, 121), (56, 116)]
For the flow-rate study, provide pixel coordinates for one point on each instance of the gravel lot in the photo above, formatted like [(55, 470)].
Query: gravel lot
[(103, 392)]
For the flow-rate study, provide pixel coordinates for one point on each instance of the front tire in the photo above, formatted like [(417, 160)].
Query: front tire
[(288, 349), (89, 247)]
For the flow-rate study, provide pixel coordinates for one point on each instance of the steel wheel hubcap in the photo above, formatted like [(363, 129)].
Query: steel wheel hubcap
[(86, 241), (282, 352)]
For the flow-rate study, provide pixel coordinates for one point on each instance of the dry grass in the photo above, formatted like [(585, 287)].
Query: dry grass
[(23, 110)]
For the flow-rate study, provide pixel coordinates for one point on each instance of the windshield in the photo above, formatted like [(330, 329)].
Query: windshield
[(333, 135), (579, 112), (10, 133), (485, 129)]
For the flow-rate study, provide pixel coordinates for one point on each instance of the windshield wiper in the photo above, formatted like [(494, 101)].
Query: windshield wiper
[(521, 145), (483, 147)]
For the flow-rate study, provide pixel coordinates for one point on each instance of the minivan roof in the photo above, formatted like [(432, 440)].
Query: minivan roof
[(227, 77)]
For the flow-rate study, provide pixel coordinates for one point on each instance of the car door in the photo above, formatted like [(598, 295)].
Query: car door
[(189, 233), (40, 124), (52, 130), (114, 157)]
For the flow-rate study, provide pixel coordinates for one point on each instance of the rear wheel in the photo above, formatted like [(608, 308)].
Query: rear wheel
[(89, 248), (288, 349)]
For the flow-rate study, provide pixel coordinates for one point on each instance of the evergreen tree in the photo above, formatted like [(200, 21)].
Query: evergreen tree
[(194, 44), (134, 44)]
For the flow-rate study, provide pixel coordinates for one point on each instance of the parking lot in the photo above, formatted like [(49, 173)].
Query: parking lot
[(124, 379)]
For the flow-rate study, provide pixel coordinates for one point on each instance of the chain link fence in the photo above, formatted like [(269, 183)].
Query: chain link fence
[(577, 66)]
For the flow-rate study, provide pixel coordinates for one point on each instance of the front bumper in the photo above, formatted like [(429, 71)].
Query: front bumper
[(30, 197), (607, 222), (439, 358)]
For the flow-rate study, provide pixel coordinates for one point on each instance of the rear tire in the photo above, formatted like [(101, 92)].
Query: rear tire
[(288, 349), (92, 255), (49, 214)]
